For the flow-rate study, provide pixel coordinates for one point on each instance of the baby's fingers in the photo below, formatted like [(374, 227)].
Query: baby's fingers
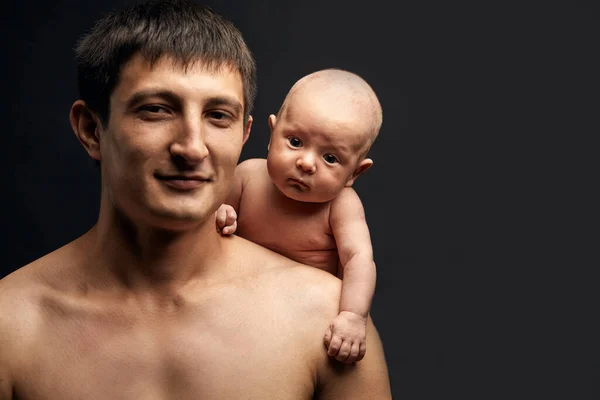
[(230, 221), (334, 346), (229, 229), (327, 338), (362, 349), (231, 216), (344, 351), (354, 352), (221, 217)]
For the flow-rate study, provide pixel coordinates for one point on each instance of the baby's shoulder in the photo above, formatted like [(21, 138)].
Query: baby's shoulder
[(251, 166), (254, 176), (346, 194), (347, 200)]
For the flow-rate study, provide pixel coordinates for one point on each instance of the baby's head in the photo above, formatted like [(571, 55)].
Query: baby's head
[(322, 134)]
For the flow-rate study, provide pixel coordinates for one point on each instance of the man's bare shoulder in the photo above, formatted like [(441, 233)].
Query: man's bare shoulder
[(315, 291), (301, 300), (312, 296), (22, 291), (308, 287), (21, 312), (366, 379), (21, 286), (256, 257)]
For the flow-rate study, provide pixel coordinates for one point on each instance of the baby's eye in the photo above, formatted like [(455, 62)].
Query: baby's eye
[(294, 141), (330, 158)]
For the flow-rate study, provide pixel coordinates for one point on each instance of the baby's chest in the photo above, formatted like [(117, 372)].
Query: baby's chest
[(263, 222)]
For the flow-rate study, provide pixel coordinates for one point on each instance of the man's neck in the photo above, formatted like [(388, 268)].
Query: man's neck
[(150, 259)]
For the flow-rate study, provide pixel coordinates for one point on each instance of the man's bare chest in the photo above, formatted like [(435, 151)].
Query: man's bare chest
[(213, 356)]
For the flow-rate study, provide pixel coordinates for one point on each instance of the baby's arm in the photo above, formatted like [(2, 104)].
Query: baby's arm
[(346, 336), (226, 215)]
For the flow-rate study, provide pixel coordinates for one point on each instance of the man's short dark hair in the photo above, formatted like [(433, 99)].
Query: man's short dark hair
[(180, 29)]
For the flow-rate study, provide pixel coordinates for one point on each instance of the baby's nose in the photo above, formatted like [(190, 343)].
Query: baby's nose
[(306, 164)]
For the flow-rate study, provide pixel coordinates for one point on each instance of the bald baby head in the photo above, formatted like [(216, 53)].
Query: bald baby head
[(342, 96)]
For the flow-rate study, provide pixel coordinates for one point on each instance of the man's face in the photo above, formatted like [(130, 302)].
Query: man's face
[(314, 149), (172, 142)]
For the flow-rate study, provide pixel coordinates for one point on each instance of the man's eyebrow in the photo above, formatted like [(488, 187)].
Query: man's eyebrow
[(143, 94), (173, 97), (225, 101)]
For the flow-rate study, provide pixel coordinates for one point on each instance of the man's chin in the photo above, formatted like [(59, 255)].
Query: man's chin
[(181, 220)]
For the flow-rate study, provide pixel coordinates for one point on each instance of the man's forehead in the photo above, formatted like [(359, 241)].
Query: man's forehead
[(167, 72)]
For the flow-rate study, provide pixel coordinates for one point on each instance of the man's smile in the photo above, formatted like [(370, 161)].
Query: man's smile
[(183, 181)]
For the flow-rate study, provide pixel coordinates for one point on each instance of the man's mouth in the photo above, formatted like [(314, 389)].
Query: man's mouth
[(183, 181)]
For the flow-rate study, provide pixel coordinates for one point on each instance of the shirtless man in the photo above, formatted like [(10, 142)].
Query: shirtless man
[(299, 201), (153, 303)]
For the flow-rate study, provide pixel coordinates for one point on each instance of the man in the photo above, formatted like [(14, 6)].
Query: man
[(152, 302)]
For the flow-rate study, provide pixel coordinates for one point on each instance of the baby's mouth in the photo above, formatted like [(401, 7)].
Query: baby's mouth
[(299, 184)]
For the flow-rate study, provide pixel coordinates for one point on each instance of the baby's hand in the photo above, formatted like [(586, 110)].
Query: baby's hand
[(346, 337), (226, 219)]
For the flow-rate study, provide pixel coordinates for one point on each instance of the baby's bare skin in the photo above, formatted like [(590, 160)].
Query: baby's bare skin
[(300, 203), (300, 231), (61, 341)]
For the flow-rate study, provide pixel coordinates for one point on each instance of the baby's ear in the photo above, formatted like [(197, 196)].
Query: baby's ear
[(362, 167), (247, 128), (272, 122)]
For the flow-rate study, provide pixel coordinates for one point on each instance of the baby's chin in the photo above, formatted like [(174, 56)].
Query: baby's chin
[(306, 196)]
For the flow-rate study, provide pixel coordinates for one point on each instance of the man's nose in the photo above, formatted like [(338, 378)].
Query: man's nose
[(190, 143), (306, 162)]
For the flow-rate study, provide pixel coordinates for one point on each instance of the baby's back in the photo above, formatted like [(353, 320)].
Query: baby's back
[(297, 230)]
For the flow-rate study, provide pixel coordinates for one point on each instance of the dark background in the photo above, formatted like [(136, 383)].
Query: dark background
[(481, 209)]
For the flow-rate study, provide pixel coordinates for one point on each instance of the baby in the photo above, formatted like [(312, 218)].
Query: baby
[(300, 203)]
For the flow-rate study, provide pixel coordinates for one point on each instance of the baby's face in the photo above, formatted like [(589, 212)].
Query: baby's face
[(314, 151)]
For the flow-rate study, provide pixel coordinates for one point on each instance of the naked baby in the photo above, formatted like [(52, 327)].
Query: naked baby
[(300, 203)]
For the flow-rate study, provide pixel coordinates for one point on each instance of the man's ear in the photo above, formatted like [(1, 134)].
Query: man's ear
[(272, 122), (86, 125), (362, 167), (247, 128)]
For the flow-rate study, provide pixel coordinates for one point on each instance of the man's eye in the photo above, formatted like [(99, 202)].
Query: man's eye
[(153, 109), (218, 115), (330, 158), (294, 141)]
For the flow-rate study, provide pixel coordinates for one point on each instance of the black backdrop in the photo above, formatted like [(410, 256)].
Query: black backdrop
[(481, 292)]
